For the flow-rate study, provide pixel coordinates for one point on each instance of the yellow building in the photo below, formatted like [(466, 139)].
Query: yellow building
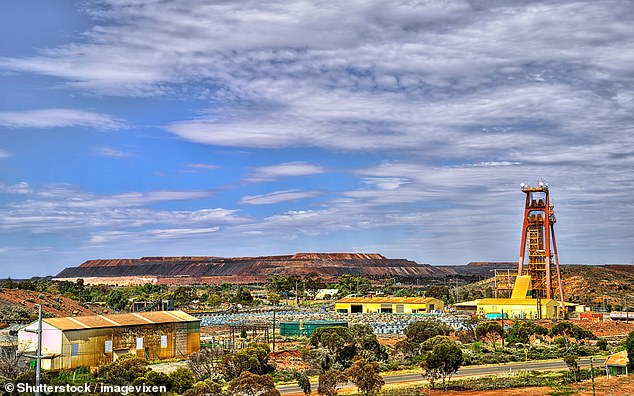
[(519, 306), (399, 305), (527, 308)]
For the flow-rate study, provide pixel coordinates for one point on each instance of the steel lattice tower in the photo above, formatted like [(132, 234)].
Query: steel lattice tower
[(538, 240)]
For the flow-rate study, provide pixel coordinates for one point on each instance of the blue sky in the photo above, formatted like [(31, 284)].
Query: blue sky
[(136, 128)]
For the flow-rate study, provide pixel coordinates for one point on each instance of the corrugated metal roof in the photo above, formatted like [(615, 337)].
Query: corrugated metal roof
[(618, 359), (118, 320), (393, 300)]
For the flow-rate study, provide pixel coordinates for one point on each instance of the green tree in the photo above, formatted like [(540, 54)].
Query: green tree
[(365, 343), (333, 339), (491, 332), (327, 383), (365, 375), (573, 366), (181, 379), (280, 284), (205, 388), (429, 344), (303, 382), (629, 346), (116, 300), (522, 332), (154, 378), (568, 330), (183, 296), (243, 296), (442, 362), (348, 284), (122, 371), (440, 292), (254, 359), (421, 331), (249, 384), (417, 333), (148, 289)]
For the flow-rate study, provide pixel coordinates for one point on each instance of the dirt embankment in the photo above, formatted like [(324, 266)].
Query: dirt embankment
[(51, 304)]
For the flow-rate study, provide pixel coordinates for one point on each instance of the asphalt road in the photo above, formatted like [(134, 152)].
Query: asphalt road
[(471, 371)]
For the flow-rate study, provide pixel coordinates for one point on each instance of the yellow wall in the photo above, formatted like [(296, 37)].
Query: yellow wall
[(407, 308), (516, 310)]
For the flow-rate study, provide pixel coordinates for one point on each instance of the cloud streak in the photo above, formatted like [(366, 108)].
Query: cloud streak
[(433, 112), (278, 197), (57, 118), (279, 171)]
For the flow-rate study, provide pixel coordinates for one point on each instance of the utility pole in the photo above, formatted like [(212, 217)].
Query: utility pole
[(592, 376), (273, 330), (502, 329), (38, 367), (38, 352)]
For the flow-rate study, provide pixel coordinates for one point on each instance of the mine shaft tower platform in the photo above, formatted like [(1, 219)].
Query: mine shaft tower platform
[(538, 240)]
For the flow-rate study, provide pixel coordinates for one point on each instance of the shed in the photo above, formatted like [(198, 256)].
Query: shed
[(616, 364), (306, 328), (92, 341)]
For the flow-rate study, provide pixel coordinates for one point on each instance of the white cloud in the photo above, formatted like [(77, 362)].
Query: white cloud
[(106, 237), (278, 197), (5, 154), (288, 169), (466, 99), (55, 118), (113, 153), (386, 183), (65, 208), (21, 188), (202, 166)]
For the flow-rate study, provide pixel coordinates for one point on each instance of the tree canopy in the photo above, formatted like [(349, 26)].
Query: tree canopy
[(521, 332), (254, 359), (423, 330), (568, 330), (249, 384), (490, 331), (365, 375), (442, 362)]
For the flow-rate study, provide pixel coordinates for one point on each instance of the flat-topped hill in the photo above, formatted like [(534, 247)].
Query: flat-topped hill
[(210, 269)]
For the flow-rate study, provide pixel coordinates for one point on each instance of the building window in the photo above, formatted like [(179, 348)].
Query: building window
[(108, 346), (139, 343), (163, 341), (74, 349)]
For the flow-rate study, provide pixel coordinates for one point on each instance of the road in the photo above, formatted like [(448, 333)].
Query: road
[(471, 371)]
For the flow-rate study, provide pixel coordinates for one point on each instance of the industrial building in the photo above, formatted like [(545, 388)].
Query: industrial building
[(306, 328), (519, 306), (398, 305), (92, 341)]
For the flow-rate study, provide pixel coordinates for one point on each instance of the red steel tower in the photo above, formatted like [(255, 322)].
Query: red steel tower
[(538, 240)]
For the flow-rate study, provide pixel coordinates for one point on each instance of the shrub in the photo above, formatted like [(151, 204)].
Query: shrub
[(181, 380)]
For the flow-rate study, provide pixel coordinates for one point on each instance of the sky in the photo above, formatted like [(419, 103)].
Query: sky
[(133, 128)]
